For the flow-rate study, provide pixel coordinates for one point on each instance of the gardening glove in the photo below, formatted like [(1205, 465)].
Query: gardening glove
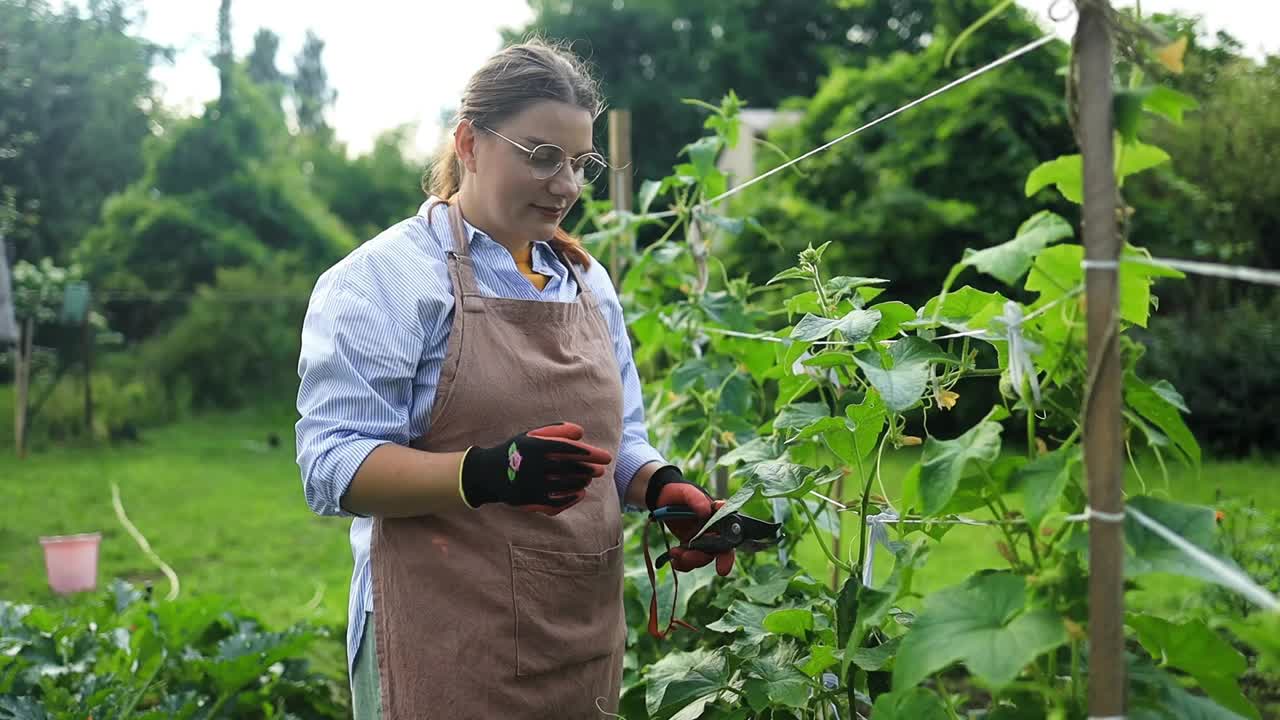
[(667, 486), (544, 470)]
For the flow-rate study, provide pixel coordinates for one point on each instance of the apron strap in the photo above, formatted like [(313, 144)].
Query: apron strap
[(584, 290), (462, 270), (460, 253)]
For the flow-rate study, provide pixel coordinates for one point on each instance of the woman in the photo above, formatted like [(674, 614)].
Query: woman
[(468, 394)]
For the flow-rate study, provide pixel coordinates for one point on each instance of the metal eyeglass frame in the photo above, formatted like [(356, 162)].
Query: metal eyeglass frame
[(579, 174)]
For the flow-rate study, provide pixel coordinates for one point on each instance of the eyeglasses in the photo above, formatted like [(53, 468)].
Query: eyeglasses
[(546, 160)]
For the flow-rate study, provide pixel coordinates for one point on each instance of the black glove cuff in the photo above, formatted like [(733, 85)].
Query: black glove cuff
[(479, 469), (666, 475)]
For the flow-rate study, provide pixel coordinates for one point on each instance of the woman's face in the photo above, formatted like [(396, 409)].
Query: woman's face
[(514, 203)]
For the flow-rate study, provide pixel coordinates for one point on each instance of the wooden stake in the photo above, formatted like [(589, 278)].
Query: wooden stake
[(620, 190), (1103, 444)]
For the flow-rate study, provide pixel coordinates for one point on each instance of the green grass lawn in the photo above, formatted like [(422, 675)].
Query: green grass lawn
[(214, 501)]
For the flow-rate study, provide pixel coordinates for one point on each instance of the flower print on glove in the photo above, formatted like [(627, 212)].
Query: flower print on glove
[(545, 470)]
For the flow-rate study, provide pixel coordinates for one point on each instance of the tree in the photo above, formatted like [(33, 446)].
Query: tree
[(369, 192), (894, 197), (311, 92), (261, 64), (70, 132), (224, 59), (652, 53), (1215, 200), (221, 190)]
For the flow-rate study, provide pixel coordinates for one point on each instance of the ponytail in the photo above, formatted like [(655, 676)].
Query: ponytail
[(444, 179)]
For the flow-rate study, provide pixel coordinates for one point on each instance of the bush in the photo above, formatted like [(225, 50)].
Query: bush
[(129, 656), (123, 404), (238, 339), (236, 342), (1224, 364)]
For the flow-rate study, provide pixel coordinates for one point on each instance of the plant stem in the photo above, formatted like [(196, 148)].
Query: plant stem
[(1071, 439), (1031, 535), (1164, 471), (1031, 435), (947, 700), (983, 372), (1128, 450), (222, 700), (813, 526), (1015, 560), (822, 295), (1075, 670), (1049, 546), (879, 478), (862, 515), (837, 531)]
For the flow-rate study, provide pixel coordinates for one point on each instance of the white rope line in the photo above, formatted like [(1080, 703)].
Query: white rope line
[(983, 333), (924, 98), (952, 520), (954, 83), (987, 334), (1228, 576), (783, 340), (1093, 514), (1243, 273), (1091, 264)]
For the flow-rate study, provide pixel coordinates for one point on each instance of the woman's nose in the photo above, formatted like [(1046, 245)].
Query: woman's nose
[(565, 183)]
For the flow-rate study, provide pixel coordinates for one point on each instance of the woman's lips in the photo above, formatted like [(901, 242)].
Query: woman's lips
[(551, 213)]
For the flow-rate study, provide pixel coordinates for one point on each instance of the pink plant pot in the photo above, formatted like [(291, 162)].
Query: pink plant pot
[(71, 562)]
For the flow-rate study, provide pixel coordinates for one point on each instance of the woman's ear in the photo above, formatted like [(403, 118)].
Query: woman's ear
[(464, 144)]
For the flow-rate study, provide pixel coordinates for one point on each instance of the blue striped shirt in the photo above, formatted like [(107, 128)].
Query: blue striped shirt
[(373, 344)]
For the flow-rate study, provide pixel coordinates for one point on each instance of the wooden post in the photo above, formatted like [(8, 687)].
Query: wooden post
[(620, 191), (1103, 445)]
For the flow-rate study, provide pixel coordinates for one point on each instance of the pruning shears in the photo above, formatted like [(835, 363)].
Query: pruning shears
[(734, 531)]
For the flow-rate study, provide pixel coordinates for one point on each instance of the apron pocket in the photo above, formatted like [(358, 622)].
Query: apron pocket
[(568, 607)]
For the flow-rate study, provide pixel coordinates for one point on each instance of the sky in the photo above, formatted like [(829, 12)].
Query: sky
[(395, 61)]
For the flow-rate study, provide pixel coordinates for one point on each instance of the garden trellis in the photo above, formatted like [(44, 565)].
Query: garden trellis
[(1104, 256)]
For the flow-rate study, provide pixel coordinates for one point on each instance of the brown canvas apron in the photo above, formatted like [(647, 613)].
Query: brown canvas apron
[(498, 612)]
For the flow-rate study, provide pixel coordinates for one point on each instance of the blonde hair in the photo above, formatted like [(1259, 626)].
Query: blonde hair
[(508, 83)]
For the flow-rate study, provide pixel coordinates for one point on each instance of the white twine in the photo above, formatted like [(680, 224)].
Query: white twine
[(1242, 273), (1021, 366), (1226, 575), (1045, 40), (879, 536), (1229, 577), (1091, 514)]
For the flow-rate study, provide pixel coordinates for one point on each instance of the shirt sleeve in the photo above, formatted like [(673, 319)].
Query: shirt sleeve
[(357, 369), (635, 450)]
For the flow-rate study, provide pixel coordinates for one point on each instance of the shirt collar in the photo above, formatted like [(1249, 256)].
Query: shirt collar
[(544, 258)]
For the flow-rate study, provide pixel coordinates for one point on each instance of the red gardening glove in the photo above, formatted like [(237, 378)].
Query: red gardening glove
[(667, 486)]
